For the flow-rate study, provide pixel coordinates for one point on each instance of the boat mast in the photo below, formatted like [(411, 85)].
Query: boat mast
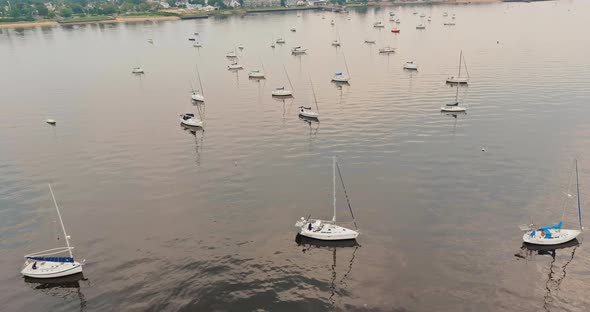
[(285, 68), (199, 76), (346, 64), (460, 61), (334, 185), (61, 221), (578, 188), (314, 98)]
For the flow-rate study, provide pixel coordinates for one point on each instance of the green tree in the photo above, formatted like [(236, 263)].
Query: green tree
[(125, 7), (283, 3), (65, 12), (109, 8), (171, 3), (41, 9)]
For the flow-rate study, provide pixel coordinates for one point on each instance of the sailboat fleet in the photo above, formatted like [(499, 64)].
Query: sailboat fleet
[(48, 263)]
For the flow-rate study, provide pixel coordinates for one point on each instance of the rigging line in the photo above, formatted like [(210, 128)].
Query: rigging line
[(465, 64), (567, 194), (346, 194)]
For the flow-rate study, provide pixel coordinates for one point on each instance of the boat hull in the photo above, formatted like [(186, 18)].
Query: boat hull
[(282, 93), (341, 79), (197, 98), (309, 114), (457, 81), (327, 232), (558, 237), (195, 123), (453, 109), (48, 269)]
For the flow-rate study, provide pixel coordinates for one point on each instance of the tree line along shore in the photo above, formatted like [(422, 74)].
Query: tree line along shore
[(31, 13)]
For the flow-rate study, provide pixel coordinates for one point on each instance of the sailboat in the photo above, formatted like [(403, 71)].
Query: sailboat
[(458, 79), (257, 74), (410, 65), (231, 54), (44, 264), (298, 50), (554, 234), (281, 91), (234, 65), (137, 70), (306, 112), (454, 107), (328, 229), (198, 95), (341, 77), (189, 119)]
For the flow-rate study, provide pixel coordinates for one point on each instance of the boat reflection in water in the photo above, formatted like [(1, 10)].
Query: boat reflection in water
[(199, 134), (557, 272), (310, 244), (63, 287)]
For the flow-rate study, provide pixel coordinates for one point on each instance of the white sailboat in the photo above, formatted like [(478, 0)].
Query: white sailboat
[(328, 229), (378, 25), (342, 77), (306, 112), (44, 264), (454, 107), (234, 65), (420, 26), (189, 119), (410, 65), (554, 234), (280, 40), (298, 50), (282, 91), (256, 73), (198, 95), (231, 54), (137, 70), (459, 79)]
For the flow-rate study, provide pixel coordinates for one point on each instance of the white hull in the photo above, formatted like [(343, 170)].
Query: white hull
[(411, 67), (197, 98), (193, 122), (137, 71), (48, 269), (256, 75), (387, 50), (282, 93), (558, 237), (236, 66), (323, 230), (457, 80), (340, 78), (309, 114), (369, 41), (453, 109)]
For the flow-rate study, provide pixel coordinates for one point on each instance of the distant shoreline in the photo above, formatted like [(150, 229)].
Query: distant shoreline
[(147, 17)]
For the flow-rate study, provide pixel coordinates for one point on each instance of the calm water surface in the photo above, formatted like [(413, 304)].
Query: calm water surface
[(171, 220)]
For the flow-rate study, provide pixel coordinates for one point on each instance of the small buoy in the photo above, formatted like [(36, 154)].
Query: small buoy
[(50, 121), (483, 149)]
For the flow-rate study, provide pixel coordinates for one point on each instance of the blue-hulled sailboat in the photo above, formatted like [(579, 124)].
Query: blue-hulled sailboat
[(554, 234), (46, 264)]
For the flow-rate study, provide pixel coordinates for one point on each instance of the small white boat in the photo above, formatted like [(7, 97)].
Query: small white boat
[(453, 17), (51, 121), (307, 112), (422, 15), (280, 40), (336, 43), (445, 14), (137, 70), (387, 49), (392, 19), (327, 229), (241, 47), (370, 41), (340, 77), (231, 54), (332, 23), (190, 120), (378, 25), (293, 29), (421, 26), (415, 13), (453, 108), (256, 74), (429, 19), (391, 14), (298, 50), (449, 24), (197, 97), (234, 65), (272, 45), (191, 39), (554, 234), (197, 44), (397, 21), (45, 264), (196, 33), (281, 92), (410, 65), (459, 79)]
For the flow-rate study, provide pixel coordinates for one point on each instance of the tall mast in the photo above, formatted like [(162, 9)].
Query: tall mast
[(285, 68), (333, 186), (61, 221), (457, 94), (199, 76), (460, 59), (314, 98), (578, 188), (346, 64)]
